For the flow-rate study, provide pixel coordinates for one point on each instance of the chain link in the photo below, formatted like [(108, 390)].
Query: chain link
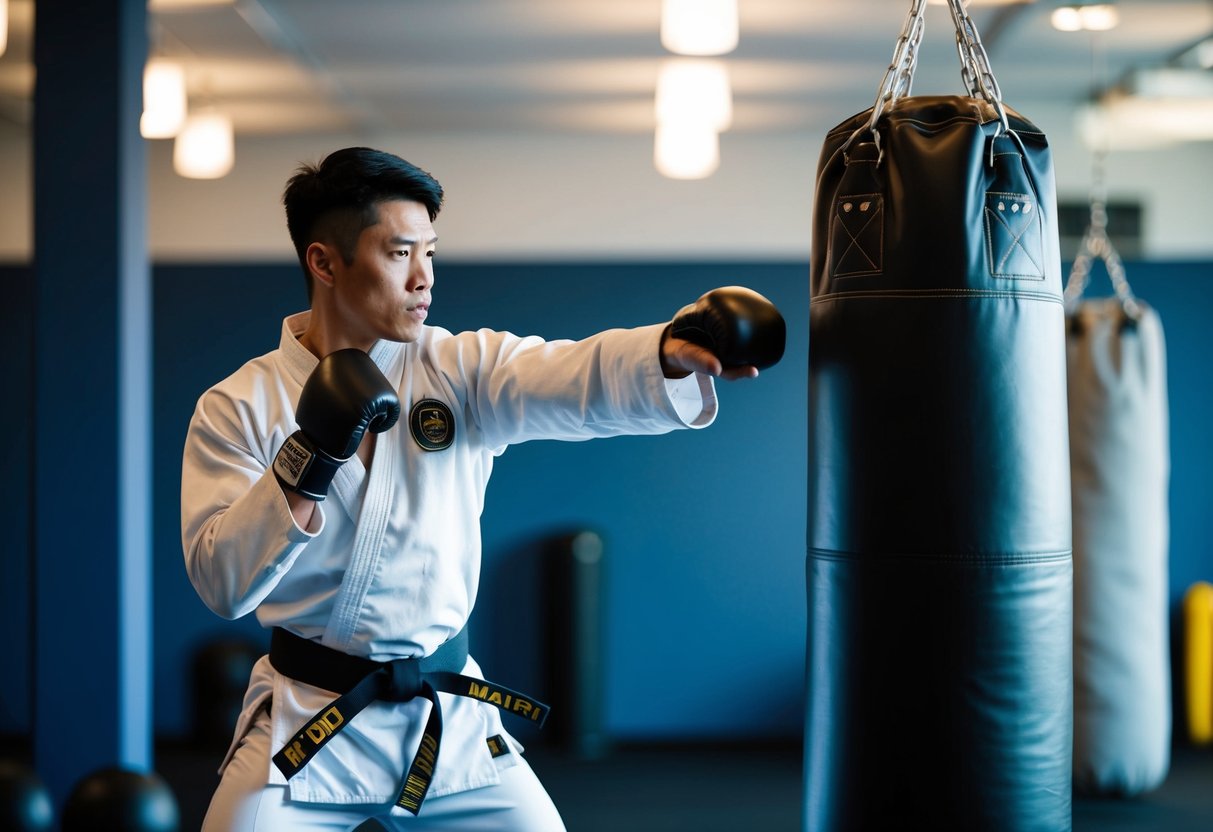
[(909, 62), (1097, 244), (975, 68), (900, 75)]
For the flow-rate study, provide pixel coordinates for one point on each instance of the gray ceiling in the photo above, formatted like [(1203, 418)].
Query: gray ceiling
[(354, 66)]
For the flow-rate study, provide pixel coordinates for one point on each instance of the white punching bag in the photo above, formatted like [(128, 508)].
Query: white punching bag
[(1119, 471)]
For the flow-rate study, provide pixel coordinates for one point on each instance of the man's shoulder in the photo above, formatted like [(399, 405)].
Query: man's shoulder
[(249, 381), (432, 343), (437, 337)]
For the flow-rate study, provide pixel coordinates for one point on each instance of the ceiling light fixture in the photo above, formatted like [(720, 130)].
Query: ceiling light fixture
[(1203, 52), (699, 27), (164, 99), (205, 147), (1151, 107), (1170, 82), (3, 26), (686, 150), (694, 103), (690, 90), (1128, 123), (1088, 17)]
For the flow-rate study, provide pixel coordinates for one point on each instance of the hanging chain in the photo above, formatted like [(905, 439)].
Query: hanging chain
[(1097, 244), (1095, 241), (975, 68), (898, 79), (908, 45)]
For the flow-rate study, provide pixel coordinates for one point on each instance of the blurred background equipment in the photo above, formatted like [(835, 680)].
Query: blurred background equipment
[(1120, 469), (121, 800), (25, 803), (1198, 661), (576, 658), (220, 674), (1120, 473)]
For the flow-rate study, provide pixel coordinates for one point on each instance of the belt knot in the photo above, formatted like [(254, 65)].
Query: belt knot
[(400, 680)]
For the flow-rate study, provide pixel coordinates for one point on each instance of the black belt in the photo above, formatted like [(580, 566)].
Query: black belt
[(362, 681)]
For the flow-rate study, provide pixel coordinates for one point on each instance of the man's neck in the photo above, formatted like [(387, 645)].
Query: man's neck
[(322, 337)]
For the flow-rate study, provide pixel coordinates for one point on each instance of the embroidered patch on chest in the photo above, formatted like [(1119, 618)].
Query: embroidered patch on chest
[(432, 425)]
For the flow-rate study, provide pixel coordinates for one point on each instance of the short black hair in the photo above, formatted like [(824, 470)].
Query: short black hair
[(336, 199)]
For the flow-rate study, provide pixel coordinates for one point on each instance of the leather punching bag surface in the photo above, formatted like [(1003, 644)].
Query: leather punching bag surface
[(1119, 468), (939, 564)]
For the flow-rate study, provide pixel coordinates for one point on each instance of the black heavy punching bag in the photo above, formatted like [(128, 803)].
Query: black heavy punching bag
[(939, 564)]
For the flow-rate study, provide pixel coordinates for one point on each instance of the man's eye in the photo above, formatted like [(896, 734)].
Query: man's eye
[(401, 252), (429, 254)]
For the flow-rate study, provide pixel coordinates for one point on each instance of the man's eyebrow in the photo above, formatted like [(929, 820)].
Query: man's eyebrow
[(405, 241)]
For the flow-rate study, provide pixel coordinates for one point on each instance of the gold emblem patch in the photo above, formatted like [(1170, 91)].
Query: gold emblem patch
[(432, 424)]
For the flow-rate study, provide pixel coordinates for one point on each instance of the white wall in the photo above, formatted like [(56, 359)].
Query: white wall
[(1171, 184), (515, 196)]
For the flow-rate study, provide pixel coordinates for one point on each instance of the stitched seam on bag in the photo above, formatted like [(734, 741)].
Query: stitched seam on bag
[(893, 116), (944, 123), (962, 294), (971, 558), (1017, 130)]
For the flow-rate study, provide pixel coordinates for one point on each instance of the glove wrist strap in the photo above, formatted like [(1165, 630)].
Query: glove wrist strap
[(303, 468)]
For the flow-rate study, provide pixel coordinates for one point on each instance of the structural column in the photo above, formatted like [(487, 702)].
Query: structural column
[(92, 391)]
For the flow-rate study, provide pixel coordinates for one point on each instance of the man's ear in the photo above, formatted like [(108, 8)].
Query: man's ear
[(320, 259)]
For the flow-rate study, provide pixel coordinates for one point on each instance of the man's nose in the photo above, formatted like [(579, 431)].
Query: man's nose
[(421, 273)]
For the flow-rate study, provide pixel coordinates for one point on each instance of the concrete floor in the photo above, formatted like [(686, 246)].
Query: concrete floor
[(671, 788)]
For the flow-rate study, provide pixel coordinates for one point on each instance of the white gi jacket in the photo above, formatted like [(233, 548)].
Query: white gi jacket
[(391, 563)]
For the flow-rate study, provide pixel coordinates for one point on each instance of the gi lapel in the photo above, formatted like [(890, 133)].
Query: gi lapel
[(367, 497)]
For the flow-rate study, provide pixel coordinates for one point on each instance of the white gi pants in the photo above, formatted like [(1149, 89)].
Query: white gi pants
[(244, 803)]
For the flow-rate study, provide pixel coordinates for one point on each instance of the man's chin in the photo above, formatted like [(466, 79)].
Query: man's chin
[(406, 335)]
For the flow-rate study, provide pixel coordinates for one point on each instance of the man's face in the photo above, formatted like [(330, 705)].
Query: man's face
[(385, 291)]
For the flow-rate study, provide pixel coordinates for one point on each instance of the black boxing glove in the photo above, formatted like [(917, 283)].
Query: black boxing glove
[(736, 324), (344, 397)]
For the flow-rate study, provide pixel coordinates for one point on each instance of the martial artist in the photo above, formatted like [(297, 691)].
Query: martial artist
[(334, 487)]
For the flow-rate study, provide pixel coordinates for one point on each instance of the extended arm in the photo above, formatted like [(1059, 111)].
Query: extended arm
[(616, 382)]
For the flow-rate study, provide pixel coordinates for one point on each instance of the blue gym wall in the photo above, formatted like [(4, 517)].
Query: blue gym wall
[(704, 530)]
